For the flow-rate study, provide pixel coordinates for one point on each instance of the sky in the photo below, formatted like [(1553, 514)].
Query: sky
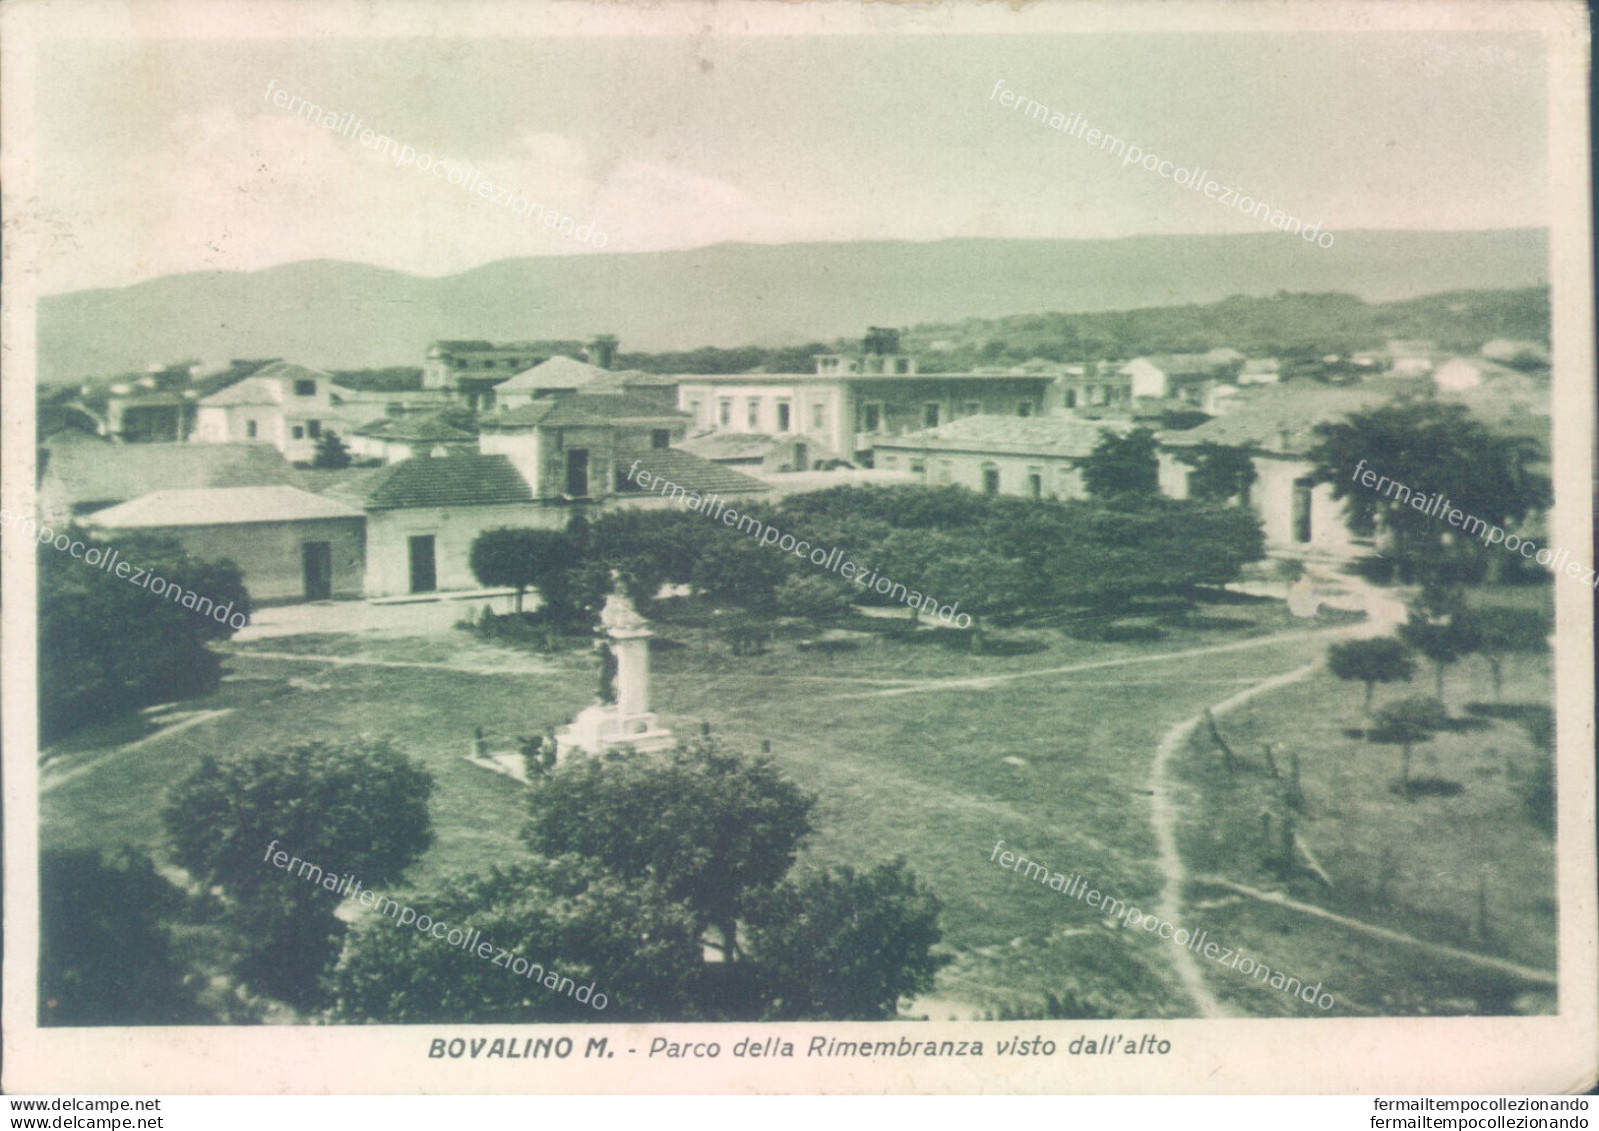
[(168, 156)]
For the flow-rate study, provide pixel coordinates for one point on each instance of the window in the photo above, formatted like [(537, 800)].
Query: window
[(249, 429), (661, 438), (577, 472), (930, 416), (753, 414), (693, 409), (818, 417), (297, 432), (313, 429), (991, 480), (918, 467), (305, 387), (782, 416), (872, 417), (1024, 408), (724, 411)]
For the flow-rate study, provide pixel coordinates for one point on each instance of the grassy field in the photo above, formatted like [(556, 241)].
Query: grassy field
[(915, 748), (1461, 862)]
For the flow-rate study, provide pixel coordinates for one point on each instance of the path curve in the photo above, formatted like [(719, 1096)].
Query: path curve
[(1163, 816)]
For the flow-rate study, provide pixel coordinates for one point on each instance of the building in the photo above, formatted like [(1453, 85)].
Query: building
[(283, 404), (470, 371), (754, 451), (1277, 427), (1260, 371), (394, 438), (81, 476), (533, 467), (143, 416), (573, 447), (1183, 377), (853, 401), (1408, 358), (564, 377), (1035, 457), (289, 544), (1098, 385)]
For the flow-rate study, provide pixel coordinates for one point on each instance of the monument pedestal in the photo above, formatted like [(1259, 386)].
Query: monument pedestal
[(629, 721)]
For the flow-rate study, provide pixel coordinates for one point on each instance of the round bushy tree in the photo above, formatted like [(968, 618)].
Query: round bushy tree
[(359, 807), (635, 955)]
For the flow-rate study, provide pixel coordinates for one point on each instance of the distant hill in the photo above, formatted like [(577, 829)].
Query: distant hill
[(350, 316), (1282, 325)]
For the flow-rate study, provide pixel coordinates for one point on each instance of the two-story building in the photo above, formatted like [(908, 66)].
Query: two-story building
[(564, 377), (283, 404), (471, 371)]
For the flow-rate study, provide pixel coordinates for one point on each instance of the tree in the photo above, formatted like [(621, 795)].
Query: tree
[(812, 597), (523, 558), (1123, 468), (1221, 473), (1378, 659), (978, 581), (331, 452), (839, 945), (706, 824), (1420, 450), (1405, 723), (104, 954), (1503, 631), (638, 953), (1441, 629), (107, 645), (733, 566), (359, 807)]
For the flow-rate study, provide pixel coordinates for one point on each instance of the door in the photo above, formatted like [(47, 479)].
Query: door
[(318, 571), (577, 472), (1301, 509), (802, 457), (424, 574)]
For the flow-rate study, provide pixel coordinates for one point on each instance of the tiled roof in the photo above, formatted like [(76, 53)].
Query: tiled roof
[(464, 479), (212, 506), (556, 373), (266, 386), (415, 429), (1278, 418), (688, 472), (582, 409), (95, 473), (731, 445), (1054, 435)]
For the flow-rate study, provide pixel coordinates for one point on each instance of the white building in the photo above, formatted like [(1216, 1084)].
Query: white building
[(284, 404)]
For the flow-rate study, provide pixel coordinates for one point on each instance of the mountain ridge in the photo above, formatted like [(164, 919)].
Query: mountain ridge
[(336, 314)]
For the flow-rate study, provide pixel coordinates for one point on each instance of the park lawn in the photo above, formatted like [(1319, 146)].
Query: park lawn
[(915, 775), (429, 713), (1412, 866), (922, 776)]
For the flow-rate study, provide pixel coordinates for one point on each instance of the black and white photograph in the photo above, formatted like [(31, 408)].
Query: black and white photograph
[(593, 547)]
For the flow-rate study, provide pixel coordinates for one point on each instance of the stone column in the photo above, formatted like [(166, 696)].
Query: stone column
[(632, 648)]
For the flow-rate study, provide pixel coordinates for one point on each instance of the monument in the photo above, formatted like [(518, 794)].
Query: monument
[(626, 720)]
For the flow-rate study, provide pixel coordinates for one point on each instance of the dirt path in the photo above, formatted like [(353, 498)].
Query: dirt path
[(531, 667), (982, 682), (1531, 974), (1163, 817), (46, 784)]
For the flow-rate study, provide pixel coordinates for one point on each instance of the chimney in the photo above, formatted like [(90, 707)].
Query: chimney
[(602, 350)]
